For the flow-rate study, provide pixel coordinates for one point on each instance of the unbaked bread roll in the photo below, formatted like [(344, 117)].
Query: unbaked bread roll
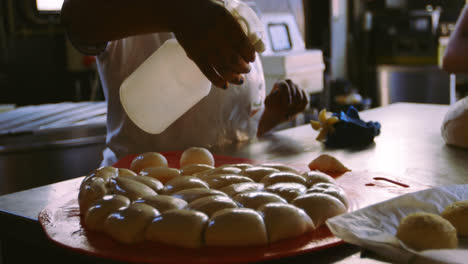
[(211, 204), (192, 169), (195, 155), (154, 184), (162, 174), (314, 177), (190, 195), (162, 203), (457, 215), (421, 231), (98, 212), (130, 188), (234, 189), (218, 181), (236, 227), (93, 190), (330, 189), (280, 167), (283, 176), (285, 221), (455, 124), (182, 228), (319, 206), (254, 200), (287, 190), (182, 183), (148, 160), (328, 164), (256, 173), (128, 225)]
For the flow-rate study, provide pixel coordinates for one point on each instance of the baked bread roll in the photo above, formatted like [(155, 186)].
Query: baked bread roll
[(148, 160), (455, 124), (126, 172), (154, 184), (211, 204), (328, 164), (128, 225), (285, 221), (162, 174), (182, 228), (422, 231), (256, 173), (105, 173), (98, 212), (288, 191), (314, 177), (218, 181), (162, 203), (236, 227), (319, 206), (190, 195), (236, 188), (280, 167), (282, 176), (218, 171), (192, 169), (182, 183), (196, 155), (130, 188), (93, 190), (254, 200), (457, 215), (330, 189), (241, 166)]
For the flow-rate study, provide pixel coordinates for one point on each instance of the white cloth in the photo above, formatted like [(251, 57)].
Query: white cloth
[(223, 117)]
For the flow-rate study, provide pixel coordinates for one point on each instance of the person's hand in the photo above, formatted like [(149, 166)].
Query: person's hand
[(214, 40), (286, 100)]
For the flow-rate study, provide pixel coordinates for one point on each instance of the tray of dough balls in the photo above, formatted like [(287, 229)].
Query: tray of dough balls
[(428, 226), (194, 207)]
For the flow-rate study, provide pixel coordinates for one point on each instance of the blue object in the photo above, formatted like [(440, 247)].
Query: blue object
[(351, 131)]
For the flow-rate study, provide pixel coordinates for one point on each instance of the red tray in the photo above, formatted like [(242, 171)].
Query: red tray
[(62, 223)]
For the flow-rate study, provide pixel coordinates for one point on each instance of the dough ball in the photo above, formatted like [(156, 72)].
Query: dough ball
[(421, 231), (287, 190), (182, 228), (190, 195), (285, 221), (236, 227), (128, 225), (457, 215), (163, 203), (314, 177), (162, 174), (130, 188), (283, 176), (256, 173), (254, 200), (98, 212), (328, 164), (280, 167), (195, 155), (218, 181), (330, 189), (236, 188), (93, 190), (182, 183), (154, 184), (192, 169), (148, 160), (455, 124), (211, 204), (319, 206)]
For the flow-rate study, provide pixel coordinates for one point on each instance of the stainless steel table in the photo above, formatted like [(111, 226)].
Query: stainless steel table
[(410, 145)]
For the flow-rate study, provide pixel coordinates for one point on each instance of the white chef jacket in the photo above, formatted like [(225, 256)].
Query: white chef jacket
[(222, 117)]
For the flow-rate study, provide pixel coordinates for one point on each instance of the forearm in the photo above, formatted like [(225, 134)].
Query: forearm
[(455, 59), (97, 21)]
